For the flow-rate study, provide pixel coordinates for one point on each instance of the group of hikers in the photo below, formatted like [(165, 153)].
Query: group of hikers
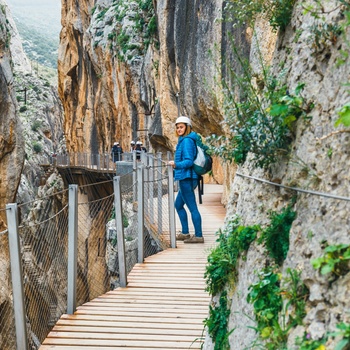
[(117, 150)]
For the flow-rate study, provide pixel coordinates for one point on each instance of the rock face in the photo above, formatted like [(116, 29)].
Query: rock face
[(119, 80), (11, 142), (135, 97)]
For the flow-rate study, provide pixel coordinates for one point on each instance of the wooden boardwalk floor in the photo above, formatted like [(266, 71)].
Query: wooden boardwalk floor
[(163, 305)]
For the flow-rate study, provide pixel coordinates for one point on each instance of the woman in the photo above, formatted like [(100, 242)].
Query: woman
[(185, 154)]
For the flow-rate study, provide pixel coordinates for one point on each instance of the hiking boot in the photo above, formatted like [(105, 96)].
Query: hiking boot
[(194, 239), (182, 236)]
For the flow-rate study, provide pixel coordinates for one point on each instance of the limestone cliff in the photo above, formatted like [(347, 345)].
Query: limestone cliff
[(119, 79), (122, 78), (11, 142)]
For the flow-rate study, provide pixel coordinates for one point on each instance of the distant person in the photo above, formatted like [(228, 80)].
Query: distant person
[(143, 148), (132, 146), (138, 149), (117, 152)]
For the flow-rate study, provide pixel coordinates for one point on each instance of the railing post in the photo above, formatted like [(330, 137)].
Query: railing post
[(144, 161), (171, 207), (160, 193), (151, 187), (120, 230), (140, 213), (134, 175), (72, 248), (17, 277)]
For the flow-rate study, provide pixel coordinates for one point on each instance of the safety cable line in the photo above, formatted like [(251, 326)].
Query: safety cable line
[(97, 200), (96, 183), (295, 188), (3, 232), (43, 222), (156, 180), (42, 198), (127, 190)]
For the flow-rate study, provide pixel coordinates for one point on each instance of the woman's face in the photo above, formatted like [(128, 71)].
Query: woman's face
[(180, 128)]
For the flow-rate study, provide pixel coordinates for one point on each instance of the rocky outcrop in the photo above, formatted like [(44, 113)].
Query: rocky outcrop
[(11, 142), (118, 91)]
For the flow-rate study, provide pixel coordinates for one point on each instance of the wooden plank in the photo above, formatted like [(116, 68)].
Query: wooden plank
[(96, 322), (111, 343), (162, 307), (125, 330), (121, 336)]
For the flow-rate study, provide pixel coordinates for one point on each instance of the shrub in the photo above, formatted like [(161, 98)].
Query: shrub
[(222, 261), (23, 109), (36, 125), (276, 235), (217, 323), (37, 147)]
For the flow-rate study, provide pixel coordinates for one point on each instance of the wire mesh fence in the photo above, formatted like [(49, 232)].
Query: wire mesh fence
[(157, 231), (93, 277), (7, 321), (43, 241), (44, 253)]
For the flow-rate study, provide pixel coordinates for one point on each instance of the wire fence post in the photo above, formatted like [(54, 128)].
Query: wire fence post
[(72, 248), (120, 230), (172, 226), (160, 193), (151, 187), (140, 213), (144, 160), (134, 175), (17, 276)]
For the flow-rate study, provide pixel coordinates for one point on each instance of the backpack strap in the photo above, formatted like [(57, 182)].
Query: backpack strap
[(200, 188)]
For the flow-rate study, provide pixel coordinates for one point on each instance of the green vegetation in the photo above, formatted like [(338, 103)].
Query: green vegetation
[(144, 30), (306, 343), (265, 295), (276, 235), (279, 306), (22, 109), (335, 260), (277, 12), (36, 125), (344, 333), (261, 119), (217, 323), (37, 147), (222, 261), (38, 45)]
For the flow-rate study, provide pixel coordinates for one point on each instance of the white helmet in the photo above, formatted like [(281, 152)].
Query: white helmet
[(132, 142), (184, 120), (138, 142)]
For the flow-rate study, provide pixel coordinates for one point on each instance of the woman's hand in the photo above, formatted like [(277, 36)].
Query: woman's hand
[(172, 163)]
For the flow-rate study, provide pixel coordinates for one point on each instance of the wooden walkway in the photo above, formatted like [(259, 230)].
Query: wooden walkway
[(163, 305)]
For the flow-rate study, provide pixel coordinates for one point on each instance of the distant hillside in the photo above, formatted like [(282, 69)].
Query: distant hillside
[(38, 23)]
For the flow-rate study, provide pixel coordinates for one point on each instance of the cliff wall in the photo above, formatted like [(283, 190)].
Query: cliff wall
[(121, 78)]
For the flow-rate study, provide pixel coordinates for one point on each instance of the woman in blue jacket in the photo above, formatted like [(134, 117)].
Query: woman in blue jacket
[(185, 154)]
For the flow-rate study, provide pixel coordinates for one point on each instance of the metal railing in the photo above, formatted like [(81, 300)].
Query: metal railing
[(73, 248), (99, 162)]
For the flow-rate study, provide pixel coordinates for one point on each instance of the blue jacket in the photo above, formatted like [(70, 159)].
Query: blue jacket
[(186, 152)]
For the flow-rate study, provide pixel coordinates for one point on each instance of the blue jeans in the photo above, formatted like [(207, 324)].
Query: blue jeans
[(186, 196)]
